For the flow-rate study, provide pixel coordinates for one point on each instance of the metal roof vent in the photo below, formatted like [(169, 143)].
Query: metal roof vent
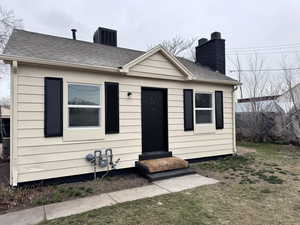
[(74, 33)]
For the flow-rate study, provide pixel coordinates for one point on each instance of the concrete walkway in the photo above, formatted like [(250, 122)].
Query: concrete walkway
[(48, 212)]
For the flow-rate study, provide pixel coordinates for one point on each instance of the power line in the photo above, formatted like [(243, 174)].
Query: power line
[(270, 49), (257, 52), (267, 46), (269, 70), (263, 49)]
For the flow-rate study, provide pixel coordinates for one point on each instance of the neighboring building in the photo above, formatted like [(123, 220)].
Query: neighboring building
[(289, 99), (4, 122), (257, 104), (272, 118), (284, 102), (4, 132), (72, 97), (5, 112)]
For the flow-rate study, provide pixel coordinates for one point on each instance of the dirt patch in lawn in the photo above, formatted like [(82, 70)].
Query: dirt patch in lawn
[(244, 150), (24, 197)]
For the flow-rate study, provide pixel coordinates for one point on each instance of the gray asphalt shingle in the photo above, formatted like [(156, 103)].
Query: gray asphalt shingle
[(41, 46)]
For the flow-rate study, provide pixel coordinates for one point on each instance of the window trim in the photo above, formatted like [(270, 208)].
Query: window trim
[(212, 109), (100, 107)]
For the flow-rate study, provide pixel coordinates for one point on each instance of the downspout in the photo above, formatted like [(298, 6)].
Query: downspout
[(233, 121), (13, 124), (1, 134)]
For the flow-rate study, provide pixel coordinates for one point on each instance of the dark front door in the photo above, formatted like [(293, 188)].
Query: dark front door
[(154, 121)]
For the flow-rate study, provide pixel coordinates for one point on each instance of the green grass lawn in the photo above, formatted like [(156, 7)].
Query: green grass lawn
[(260, 186)]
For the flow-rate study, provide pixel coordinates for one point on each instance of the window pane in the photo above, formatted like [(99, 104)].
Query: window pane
[(203, 100), (84, 95), (203, 116), (79, 117)]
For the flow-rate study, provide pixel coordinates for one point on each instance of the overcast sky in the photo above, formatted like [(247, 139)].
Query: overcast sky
[(143, 23)]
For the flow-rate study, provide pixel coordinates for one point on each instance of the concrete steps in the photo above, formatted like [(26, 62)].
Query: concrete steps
[(169, 174), (163, 168)]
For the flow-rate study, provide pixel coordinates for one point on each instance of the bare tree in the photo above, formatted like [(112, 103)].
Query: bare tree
[(238, 68), (254, 122), (276, 116), (290, 103), (179, 46), (8, 22), (256, 85)]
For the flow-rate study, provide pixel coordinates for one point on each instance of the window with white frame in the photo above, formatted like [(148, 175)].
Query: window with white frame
[(203, 108), (84, 105)]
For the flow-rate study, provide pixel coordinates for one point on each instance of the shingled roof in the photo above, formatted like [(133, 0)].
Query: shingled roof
[(32, 45)]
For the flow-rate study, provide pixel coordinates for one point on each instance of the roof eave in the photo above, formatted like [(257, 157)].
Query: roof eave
[(10, 58), (225, 82)]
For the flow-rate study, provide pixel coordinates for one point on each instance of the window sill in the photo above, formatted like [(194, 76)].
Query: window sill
[(204, 129), (83, 134)]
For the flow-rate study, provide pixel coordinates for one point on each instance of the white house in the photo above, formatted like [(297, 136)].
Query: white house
[(70, 98)]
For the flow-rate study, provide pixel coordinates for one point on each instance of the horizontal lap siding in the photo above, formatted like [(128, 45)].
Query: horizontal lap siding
[(156, 66), (48, 149), (54, 173), (41, 158), (187, 144)]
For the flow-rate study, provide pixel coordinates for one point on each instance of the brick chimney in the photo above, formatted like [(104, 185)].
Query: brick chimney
[(211, 53)]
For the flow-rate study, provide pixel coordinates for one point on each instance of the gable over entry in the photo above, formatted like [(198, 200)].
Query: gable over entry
[(157, 63)]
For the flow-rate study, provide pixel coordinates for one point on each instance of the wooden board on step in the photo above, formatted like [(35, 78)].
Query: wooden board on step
[(163, 164)]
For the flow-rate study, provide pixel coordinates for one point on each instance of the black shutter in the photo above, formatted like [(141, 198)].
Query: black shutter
[(53, 107), (188, 109), (111, 108), (219, 109)]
